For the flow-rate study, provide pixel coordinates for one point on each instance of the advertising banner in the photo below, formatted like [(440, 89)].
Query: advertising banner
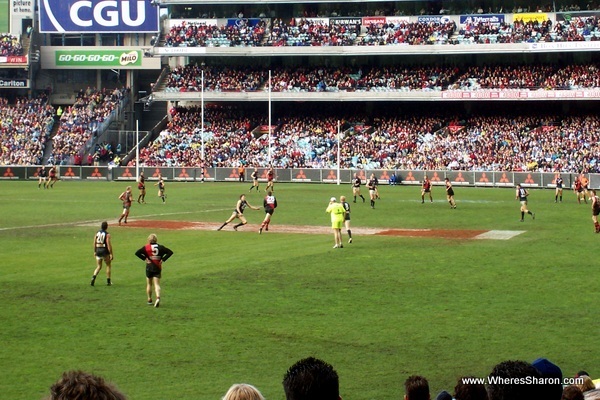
[(411, 177), (528, 179), (503, 178), (567, 16), (94, 173), (69, 173), (240, 22), (98, 16), (484, 178), (436, 19), (549, 179), (486, 19), (306, 175), (330, 176), (531, 17), (13, 60), (184, 174), (98, 58), (127, 176), (345, 21), (461, 178), (14, 83), (9, 173), (436, 177)]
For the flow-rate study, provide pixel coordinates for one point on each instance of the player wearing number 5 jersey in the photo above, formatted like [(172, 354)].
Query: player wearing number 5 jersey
[(102, 252), (154, 255)]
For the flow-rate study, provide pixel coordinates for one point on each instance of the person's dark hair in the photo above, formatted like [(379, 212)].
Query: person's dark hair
[(517, 371), (469, 391), (104, 226), (416, 387), (78, 385), (311, 379), (572, 392)]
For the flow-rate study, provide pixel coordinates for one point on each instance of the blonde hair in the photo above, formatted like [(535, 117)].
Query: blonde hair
[(152, 238), (587, 384), (243, 391)]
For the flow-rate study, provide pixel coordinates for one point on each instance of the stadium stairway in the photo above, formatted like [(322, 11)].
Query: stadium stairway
[(151, 117), (49, 144)]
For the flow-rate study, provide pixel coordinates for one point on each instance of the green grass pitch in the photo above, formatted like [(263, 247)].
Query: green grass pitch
[(4, 13), (243, 307)]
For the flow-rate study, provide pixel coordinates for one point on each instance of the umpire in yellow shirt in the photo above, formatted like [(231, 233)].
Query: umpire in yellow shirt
[(337, 212)]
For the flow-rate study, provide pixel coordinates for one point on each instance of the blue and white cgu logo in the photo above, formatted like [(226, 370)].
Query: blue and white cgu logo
[(59, 16)]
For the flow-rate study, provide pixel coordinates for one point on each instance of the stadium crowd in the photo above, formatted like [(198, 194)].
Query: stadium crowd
[(311, 378), (388, 78), (496, 142), (189, 34), (10, 45), (25, 127), (308, 32), (80, 122), (216, 78)]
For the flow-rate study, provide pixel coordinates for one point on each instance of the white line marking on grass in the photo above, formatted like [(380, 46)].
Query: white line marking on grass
[(499, 235), (113, 221)]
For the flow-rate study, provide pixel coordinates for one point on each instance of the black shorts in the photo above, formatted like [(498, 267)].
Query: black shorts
[(101, 252), (595, 212), (450, 192), (269, 210), (152, 271)]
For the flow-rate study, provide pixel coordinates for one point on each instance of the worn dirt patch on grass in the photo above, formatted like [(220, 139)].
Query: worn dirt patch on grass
[(460, 234)]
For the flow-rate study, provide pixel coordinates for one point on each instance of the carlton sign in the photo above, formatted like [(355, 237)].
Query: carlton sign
[(98, 16)]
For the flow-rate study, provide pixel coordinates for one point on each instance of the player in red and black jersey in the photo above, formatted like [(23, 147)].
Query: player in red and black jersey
[(127, 198), (270, 178), (579, 190), (154, 255), (52, 177), (595, 209), (102, 252), (426, 188), (142, 188), (269, 204)]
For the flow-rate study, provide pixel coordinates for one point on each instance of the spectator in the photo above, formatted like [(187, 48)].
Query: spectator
[(311, 379), (416, 387), (243, 391), (78, 385), (512, 371), (589, 388), (551, 391), (469, 391), (572, 392)]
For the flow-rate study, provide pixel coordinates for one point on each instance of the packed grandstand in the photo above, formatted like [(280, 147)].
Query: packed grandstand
[(526, 135)]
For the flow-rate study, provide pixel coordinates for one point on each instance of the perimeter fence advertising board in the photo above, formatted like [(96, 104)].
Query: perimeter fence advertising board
[(304, 175)]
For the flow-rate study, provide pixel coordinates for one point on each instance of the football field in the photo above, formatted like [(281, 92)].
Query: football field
[(4, 12), (423, 289)]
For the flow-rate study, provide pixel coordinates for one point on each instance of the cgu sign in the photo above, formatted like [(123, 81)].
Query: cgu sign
[(98, 16)]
